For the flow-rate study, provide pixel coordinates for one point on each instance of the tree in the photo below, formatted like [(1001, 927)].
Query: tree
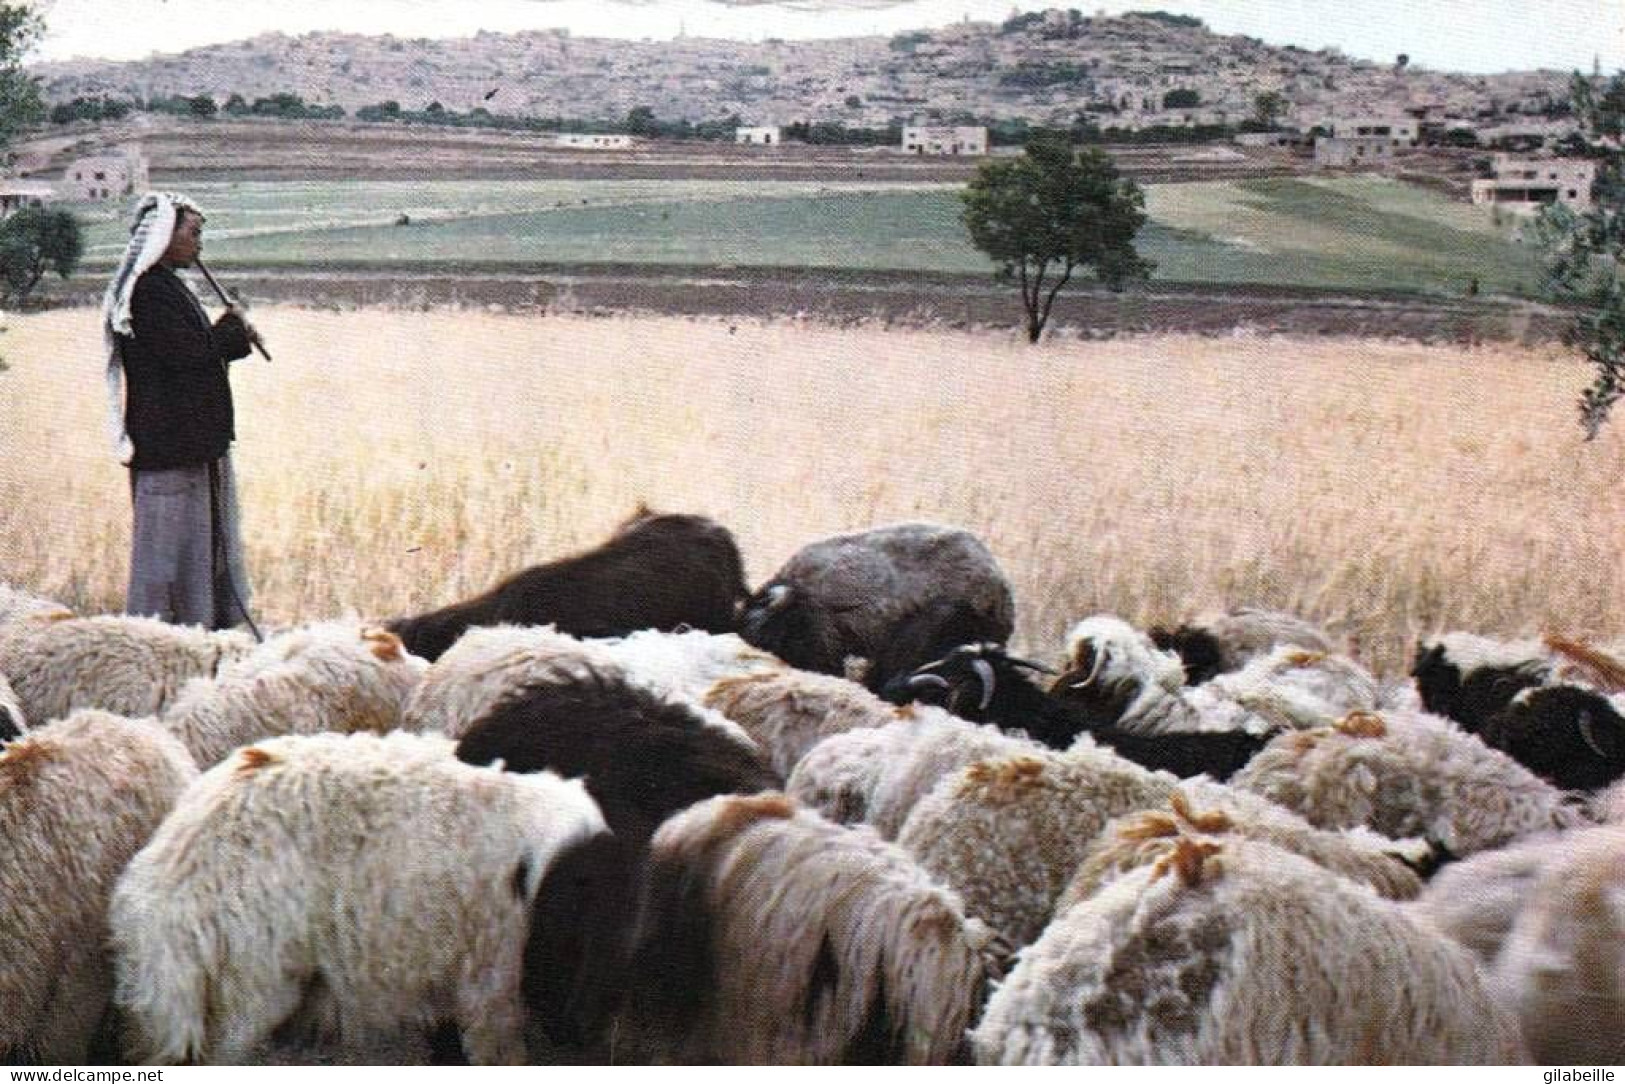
[(33, 241), (20, 102), (1051, 212), (1182, 98), (1587, 248), (1269, 107), (202, 105)]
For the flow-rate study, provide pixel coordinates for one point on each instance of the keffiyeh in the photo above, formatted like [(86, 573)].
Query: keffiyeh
[(150, 234)]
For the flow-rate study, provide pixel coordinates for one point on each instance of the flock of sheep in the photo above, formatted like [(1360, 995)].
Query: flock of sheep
[(619, 808)]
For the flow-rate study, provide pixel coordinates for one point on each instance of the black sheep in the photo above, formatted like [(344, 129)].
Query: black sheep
[(655, 572), (643, 759)]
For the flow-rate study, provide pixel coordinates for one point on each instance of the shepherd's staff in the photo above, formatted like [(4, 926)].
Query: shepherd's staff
[(224, 300)]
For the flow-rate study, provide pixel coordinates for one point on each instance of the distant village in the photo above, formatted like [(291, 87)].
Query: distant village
[(1145, 77)]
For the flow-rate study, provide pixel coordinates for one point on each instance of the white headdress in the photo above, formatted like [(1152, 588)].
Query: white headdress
[(150, 234)]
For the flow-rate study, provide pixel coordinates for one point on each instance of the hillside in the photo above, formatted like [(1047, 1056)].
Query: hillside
[(1044, 68)]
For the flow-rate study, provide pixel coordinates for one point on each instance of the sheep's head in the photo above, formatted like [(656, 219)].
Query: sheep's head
[(776, 619), (1572, 737), (1468, 678), (1114, 671), (967, 681), (1199, 651)]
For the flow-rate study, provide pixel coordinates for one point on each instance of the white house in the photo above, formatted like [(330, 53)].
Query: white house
[(1399, 131), (16, 194), (936, 139), (763, 135), (106, 176), (592, 141)]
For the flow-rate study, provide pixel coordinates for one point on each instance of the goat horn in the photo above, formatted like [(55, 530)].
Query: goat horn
[(1029, 664), (984, 670), (936, 681), (1094, 671), (1590, 735)]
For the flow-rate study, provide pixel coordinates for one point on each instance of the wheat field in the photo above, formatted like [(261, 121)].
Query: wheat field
[(394, 461)]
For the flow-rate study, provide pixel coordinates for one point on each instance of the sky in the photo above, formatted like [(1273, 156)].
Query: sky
[(1450, 35)]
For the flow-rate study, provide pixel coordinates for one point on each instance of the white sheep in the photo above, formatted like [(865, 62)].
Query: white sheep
[(1008, 833), (686, 664), (774, 937), (1406, 776), (1562, 970), (335, 676), (489, 663), (1121, 672), (876, 775), (132, 666), (1207, 809), (16, 603), (1476, 900), (1236, 952), (78, 798), (365, 883), (787, 712)]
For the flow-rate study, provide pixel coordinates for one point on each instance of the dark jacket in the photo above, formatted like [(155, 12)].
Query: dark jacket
[(178, 407)]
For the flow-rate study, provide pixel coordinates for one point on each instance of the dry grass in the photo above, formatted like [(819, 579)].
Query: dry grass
[(395, 461)]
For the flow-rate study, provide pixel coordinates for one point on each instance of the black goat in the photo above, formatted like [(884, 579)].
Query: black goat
[(655, 572), (1568, 735), (983, 683)]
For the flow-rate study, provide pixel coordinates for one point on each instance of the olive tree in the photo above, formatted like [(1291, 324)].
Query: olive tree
[(1051, 212), (1587, 247), (34, 240)]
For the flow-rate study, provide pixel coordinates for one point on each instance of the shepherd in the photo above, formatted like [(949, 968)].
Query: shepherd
[(172, 422)]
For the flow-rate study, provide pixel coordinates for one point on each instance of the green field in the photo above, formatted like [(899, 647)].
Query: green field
[(1348, 232)]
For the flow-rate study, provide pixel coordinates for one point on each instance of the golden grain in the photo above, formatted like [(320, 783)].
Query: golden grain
[(392, 461)]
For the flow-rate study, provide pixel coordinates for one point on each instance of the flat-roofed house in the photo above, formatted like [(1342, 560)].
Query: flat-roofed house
[(942, 139), (113, 175), (1399, 131), (16, 194), (1340, 151), (761, 135), (1523, 183)]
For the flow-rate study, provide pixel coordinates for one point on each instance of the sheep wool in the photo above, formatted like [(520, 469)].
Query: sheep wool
[(815, 944), (487, 664), (1475, 901), (788, 712), (335, 677), (78, 798), (1407, 776), (1236, 952), (877, 775), (1202, 808), (1562, 971), (686, 664), (1008, 833), (132, 666), (365, 883)]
